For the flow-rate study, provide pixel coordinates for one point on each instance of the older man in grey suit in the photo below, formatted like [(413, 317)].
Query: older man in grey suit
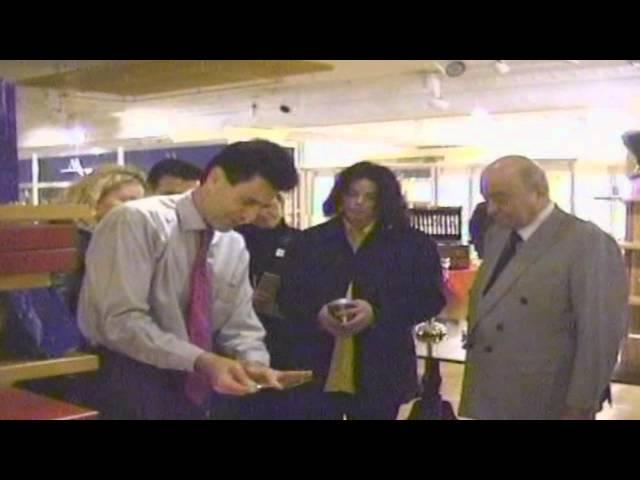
[(548, 308)]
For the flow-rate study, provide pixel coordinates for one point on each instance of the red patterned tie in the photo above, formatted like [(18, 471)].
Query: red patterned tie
[(199, 322)]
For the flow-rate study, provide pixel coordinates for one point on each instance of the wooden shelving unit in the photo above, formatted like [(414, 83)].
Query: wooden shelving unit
[(44, 213), (18, 371), (628, 368), (29, 280), (630, 245), (16, 403)]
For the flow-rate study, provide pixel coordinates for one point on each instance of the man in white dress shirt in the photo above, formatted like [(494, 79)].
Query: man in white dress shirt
[(134, 304)]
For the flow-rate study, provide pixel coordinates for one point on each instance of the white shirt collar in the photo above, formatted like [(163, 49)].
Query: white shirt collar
[(526, 232), (188, 215)]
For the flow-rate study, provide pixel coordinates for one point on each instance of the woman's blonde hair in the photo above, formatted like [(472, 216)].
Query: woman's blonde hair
[(90, 189)]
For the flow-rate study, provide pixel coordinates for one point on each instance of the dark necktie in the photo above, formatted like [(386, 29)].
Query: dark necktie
[(199, 321), (507, 253)]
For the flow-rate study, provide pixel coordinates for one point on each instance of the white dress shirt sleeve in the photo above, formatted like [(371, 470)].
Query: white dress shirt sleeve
[(241, 335)]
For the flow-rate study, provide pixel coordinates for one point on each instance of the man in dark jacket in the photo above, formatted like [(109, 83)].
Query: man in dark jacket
[(268, 240), (364, 367)]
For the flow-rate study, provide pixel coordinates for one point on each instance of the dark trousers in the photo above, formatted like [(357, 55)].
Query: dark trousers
[(336, 406), (125, 389), (266, 405), (312, 403)]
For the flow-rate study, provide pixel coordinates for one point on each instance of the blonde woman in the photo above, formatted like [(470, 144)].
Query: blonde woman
[(104, 189)]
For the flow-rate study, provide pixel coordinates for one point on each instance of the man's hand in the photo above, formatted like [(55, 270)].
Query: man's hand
[(361, 317), (571, 413), (225, 375), (329, 323)]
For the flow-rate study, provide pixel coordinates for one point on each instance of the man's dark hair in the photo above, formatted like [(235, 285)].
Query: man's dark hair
[(631, 140), (242, 161), (479, 223), (392, 209), (172, 167)]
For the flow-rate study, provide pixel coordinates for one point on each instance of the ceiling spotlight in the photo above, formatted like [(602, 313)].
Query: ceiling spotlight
[(455, 68), (285, 108), (501, 67)]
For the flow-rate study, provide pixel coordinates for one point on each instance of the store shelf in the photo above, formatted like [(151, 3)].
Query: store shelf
[(16, 403), (21, 213), (17, 371), (31, 280)]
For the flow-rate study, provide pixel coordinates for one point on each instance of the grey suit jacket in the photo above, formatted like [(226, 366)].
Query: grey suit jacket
[(547, 333)]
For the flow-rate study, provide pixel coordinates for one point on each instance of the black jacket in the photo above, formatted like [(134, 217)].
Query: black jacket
[(269, 252), (263, 244), (396, 270)]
